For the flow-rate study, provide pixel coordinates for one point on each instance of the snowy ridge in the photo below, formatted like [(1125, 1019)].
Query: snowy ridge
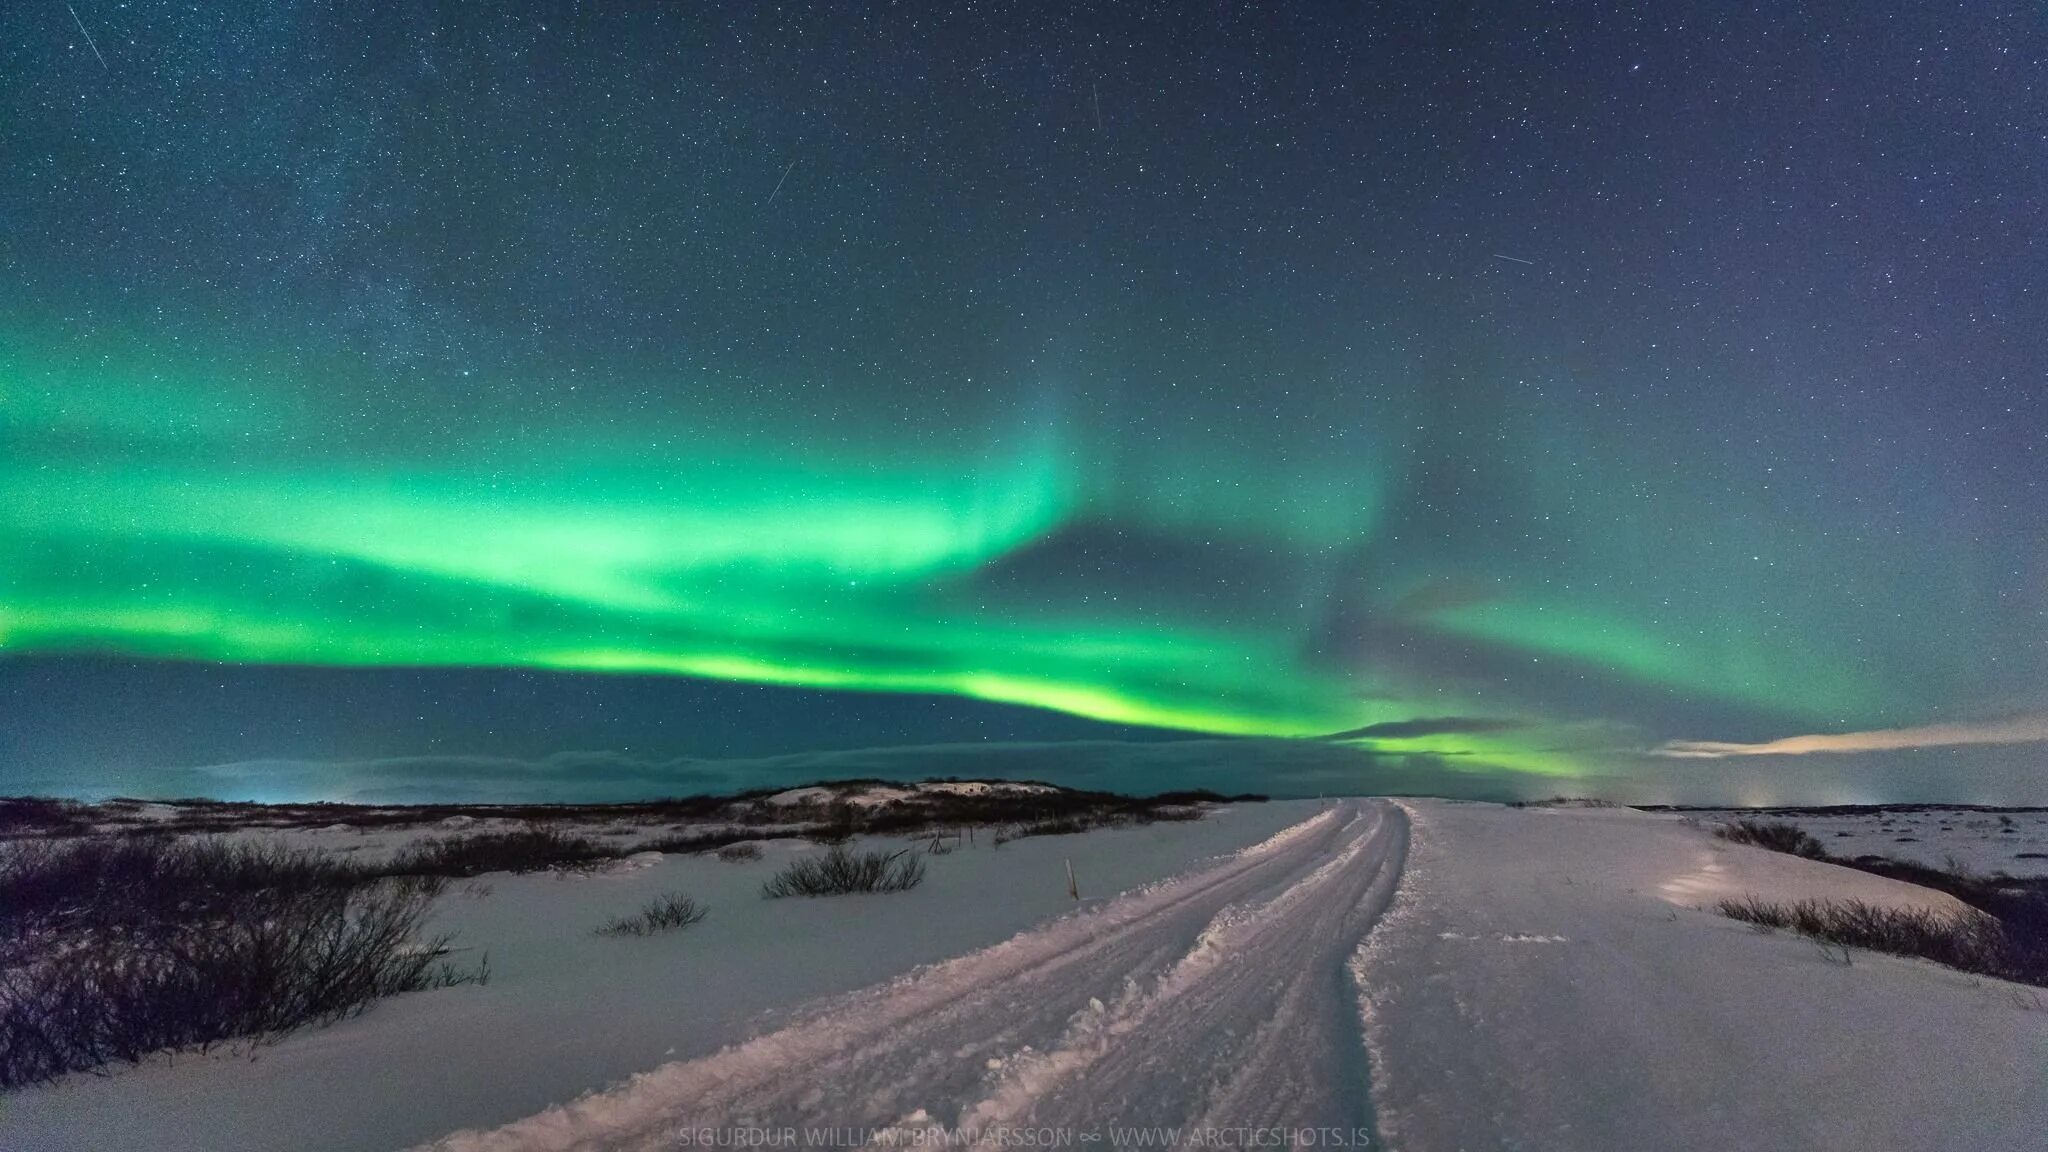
[(880, 795), (1117, 1015)]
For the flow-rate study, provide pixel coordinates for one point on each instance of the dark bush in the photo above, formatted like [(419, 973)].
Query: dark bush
[(673, 910), (117, 948), (41, 816), (714, 840), (841, 871), (741, 850), (1205, 796), (1776, 836), (1087, 821), (1972, 942), (530, 849), (843, 822), (90, 883), (1057, 826)]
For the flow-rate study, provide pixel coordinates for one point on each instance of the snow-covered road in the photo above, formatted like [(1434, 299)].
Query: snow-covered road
[(1221, 998)]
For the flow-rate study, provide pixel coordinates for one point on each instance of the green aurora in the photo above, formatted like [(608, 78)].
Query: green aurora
[(206, 508)]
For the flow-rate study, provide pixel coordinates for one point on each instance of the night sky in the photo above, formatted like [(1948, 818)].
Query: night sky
[(1534, 393)]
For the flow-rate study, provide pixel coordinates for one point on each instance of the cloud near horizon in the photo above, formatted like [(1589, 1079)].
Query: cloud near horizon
[(2028, 729)]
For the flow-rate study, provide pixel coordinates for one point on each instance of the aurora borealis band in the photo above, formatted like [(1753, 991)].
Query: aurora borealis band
[(1493, 389)]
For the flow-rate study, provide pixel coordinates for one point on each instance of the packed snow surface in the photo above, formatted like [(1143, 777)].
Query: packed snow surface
[(1547, 980), (1219, 998)]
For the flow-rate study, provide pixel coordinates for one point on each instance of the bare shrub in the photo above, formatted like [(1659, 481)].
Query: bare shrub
[(1973, 942), (672, 910), (841, 871), (535, 848), (95, 883), (1774, 835), (1070, 825), (256, 966), (715, 840), (743, 850), (42, 816)]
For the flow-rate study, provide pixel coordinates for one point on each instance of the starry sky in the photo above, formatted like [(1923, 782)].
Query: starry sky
[(1536, 394)]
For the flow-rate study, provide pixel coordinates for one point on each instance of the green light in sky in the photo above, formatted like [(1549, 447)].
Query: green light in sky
[(243, 509)]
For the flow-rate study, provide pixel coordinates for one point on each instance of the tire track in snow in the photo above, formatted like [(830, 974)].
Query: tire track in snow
[(1218, 997)]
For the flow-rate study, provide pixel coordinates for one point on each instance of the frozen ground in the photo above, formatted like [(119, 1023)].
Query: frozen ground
[(1219, 998), (1544, 981), (1447, 976), (566, 1012), (2013, 842)]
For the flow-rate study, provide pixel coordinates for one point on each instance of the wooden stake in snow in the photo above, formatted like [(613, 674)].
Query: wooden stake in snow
[(1073, 889)]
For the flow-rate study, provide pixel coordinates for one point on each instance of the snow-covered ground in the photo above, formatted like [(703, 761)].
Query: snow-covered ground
[(1421, 975), (567, 1012), (2015, 842), (1218, 999), (1545, 981)]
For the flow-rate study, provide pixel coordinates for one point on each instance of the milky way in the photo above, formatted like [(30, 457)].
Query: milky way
[(1503, 389)]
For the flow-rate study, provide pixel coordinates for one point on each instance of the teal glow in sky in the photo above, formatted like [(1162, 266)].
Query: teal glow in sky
[(1507, 395)]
